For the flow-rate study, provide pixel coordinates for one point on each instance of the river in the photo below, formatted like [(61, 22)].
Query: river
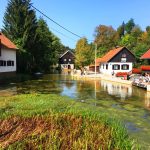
[(129, 104)]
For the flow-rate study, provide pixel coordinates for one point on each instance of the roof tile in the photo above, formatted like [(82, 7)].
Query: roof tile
[(6, 42), (146, 55), (110, 54)]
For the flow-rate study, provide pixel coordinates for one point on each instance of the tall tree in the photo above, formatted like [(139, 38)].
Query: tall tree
[(129, 26), (47, 47), (84, 53), (106, 38), (121, 30), (20, 26)]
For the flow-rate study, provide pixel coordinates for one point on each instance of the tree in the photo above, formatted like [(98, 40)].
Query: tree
[(106, 38), (20, 26), (84, 53), (48, 47), (139, 50), (129, 26), (39, 47), (127, 41), (121, 30), (148, 29), (136, 32)]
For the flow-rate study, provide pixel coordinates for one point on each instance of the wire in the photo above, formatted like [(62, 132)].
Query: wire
[(56, 22), (62, 34)]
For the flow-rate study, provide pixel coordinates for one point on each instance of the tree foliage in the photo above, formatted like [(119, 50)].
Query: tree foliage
[(106, 37), (128, 34), (20, 26), (84, 53), (121, 30), (129, 26), (38, 46)]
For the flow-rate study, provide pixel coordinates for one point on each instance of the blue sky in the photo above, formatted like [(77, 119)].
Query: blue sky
[(82, 16)]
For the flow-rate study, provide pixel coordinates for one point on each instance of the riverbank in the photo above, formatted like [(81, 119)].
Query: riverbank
[(43, 121), (101, 77)]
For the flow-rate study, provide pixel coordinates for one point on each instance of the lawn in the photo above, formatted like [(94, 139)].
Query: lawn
[(48, 121)]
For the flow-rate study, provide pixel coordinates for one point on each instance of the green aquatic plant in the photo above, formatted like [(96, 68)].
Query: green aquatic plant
[(40, 121)]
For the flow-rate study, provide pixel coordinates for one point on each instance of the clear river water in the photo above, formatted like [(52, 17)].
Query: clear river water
[(129, 104)]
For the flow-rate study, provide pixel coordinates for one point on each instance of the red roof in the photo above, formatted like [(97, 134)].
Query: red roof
[(6, 42), (145, 68), (111, 54), (146, 55), (107, 57)]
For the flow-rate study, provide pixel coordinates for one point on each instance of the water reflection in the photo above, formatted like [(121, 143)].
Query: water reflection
[(80, 89), (147, 100), (120, 90), (112, 98)]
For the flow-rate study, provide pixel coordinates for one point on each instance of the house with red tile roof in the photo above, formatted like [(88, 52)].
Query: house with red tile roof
[(7, 55), (117, 60)]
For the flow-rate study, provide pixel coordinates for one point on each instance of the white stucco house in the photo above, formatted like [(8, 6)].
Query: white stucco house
[(7, 55), (116, 60)]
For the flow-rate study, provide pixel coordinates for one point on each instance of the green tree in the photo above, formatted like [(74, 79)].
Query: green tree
[(131, 40), (121, 30), (20, 26), (129, 26), (148, 29), (139, 50), (84, 53), (128, 41), (48, 47)]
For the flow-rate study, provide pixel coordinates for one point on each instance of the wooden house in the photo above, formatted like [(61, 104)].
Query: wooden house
[(7, 55), (66, 60), (117, 60)]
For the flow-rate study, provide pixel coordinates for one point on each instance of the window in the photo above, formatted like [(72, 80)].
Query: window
[(107, 66), (2, 63), (123, 59), (125, 67), (124, 55), (10, 63), (115, 67)]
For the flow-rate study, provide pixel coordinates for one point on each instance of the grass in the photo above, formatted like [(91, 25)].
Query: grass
[(37, 121)]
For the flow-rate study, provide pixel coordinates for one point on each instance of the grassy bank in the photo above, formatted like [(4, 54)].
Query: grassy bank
[(54, 122)]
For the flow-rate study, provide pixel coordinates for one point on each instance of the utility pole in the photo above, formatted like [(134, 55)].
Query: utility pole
[(95, 57)]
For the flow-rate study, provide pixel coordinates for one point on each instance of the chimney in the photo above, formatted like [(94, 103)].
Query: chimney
[(117, 46)]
